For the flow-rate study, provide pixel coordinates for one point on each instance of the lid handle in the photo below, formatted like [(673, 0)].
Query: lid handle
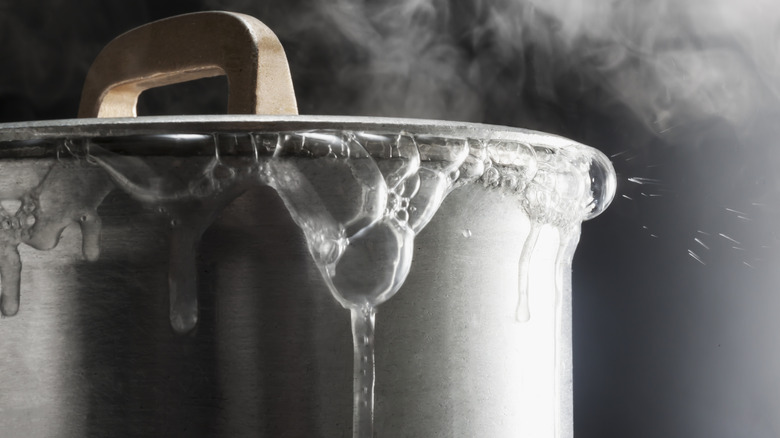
[(189, 47)]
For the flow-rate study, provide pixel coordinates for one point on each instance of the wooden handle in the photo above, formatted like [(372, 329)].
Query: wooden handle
[(188, 47)]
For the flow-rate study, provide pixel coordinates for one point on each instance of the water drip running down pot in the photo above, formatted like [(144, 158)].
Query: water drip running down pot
[(269, 274)]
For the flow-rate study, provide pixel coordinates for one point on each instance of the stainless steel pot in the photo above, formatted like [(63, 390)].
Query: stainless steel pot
[(220, 258)]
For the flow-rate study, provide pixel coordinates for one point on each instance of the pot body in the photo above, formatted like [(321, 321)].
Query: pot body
[(106, 225), (92, 353)]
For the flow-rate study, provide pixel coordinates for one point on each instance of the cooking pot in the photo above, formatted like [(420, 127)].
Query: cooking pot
[(268, 274)]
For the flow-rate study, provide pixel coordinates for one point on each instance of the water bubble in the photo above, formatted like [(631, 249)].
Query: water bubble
[(393, 202), (466, 233), (509, 181), (221, 172), (603, 184), (492, 177), (411, 187), (270, 143)]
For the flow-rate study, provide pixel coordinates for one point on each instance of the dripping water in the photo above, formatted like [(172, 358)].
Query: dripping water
[(567, 244), (364, 256), (523, 312), (364, 371), (188, 208)]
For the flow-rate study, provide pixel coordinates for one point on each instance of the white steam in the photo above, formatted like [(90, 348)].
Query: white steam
[(679, 62), (672, 62)]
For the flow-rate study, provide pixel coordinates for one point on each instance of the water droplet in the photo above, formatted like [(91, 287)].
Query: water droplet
[(28, 206), (492, 177), (466, 233)]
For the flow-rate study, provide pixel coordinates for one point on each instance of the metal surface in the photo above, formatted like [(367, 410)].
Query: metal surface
[(53, 129), (91, 352)]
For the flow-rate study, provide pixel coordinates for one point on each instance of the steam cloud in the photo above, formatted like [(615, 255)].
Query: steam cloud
[(672, 63)]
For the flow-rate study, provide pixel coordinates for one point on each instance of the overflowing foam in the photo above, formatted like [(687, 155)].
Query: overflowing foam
[(359, 198)]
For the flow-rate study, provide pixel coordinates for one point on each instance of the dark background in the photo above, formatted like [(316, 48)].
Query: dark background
[(675, 301)]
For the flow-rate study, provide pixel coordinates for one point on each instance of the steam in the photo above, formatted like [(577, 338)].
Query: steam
[(672, 63), (676, 63)]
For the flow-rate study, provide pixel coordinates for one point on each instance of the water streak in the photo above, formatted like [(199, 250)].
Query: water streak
[(523, 312), (696, 257), (729, 238), (364, 372), (568, 238), (189, 204)]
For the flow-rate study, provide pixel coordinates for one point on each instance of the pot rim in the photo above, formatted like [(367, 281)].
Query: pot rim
[(210, 124), (28, 135)]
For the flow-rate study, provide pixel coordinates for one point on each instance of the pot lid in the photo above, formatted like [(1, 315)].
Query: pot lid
[(262, 101)]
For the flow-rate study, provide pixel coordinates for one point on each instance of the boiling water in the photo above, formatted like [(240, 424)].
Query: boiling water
[(359, 198)]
